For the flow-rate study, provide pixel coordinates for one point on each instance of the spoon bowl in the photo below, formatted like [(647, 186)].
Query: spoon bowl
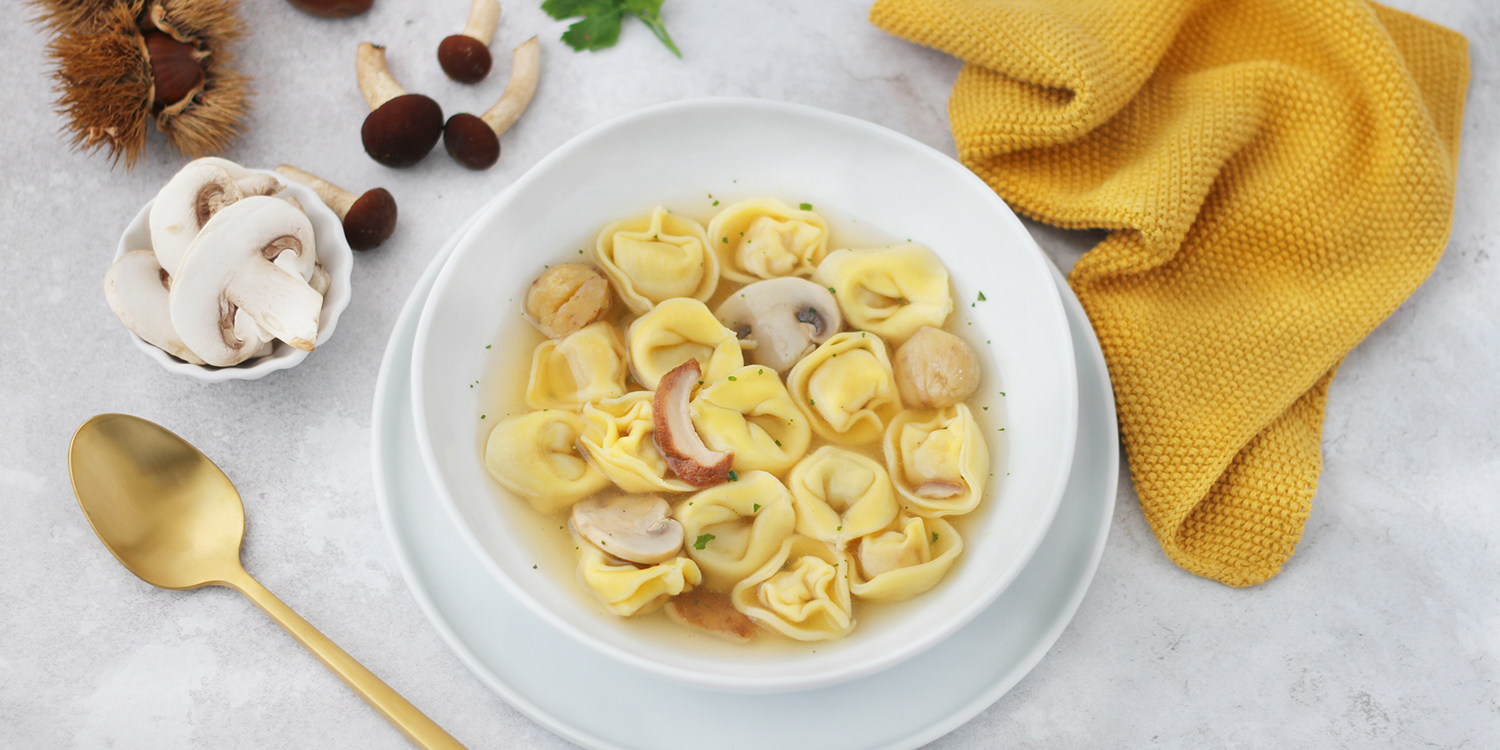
[(172, 517)]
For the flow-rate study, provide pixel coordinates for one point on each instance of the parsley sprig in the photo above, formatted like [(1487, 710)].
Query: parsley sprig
[(600, 26)]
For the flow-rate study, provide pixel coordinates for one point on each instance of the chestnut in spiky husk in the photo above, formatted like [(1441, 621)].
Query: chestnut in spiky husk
[(122, 62)]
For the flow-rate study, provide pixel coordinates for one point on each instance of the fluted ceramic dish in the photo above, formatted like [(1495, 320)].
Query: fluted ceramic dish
[(333, 253), (870, 182)]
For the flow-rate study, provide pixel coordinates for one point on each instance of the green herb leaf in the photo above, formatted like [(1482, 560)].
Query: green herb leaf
[(805, 206), (594, 32), (756, 509), (703, 540), (600, 25), (734, 476)]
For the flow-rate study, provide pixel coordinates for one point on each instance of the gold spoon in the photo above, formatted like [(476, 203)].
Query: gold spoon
[(170, 515)]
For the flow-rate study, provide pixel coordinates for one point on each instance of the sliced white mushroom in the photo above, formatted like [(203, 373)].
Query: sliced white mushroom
[(677, 438), (781, 320), (185, 204), (228, 269), (136, 288), (637, 528)]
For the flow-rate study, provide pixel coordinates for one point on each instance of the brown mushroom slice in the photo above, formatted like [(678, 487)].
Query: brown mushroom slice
[(229, 269), (635, 528), (474, 142), (465, 56), (369, 219), (712, 613), (935, 369), (567, 298), (676, 437), (781, 319), (401, 127)]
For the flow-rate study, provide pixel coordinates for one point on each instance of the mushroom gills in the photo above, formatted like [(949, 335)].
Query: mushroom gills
[(635, 528), (780, 320), (185, 204)]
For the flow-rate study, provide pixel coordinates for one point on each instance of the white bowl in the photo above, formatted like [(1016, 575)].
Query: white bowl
[(333, 252), (866, 180)]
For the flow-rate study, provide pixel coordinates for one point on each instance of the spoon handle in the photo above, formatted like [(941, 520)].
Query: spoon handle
[(422, 731)]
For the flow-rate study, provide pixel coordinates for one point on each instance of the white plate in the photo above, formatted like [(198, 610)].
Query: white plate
[(598, 703), (869, 183)]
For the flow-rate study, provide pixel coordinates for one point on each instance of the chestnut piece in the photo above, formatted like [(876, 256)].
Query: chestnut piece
[(474, 142), (465, 56), (332, 8), (401, 128), (369, 219), (176, 67)]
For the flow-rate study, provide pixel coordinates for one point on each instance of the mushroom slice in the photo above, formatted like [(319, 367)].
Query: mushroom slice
[(635, 528), (197, 192), (228, 269), (136, 288), (713, 613), (781, 319), (677, 438)]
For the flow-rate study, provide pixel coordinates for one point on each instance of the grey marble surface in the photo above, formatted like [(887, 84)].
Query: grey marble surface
[(1382, 631)]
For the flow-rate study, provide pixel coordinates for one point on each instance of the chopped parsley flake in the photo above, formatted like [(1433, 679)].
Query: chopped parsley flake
[(733, 477), (726, 240), (716, 203), (805, 206), (831, 290), (755, 509), (488, 346), (731, 377), (981, 296), (481, 416), (934, 537), (703, 540)]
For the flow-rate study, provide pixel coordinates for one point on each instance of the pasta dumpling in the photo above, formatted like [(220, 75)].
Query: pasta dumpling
[(751, 414), (535, 456), (840, 495), (654, 258), (586, 365), (763, 238), (846, 388), (889, 291), (938, 461), (618, 436), (628, 589), (676, 331), (904, 560), (802, 592), (734, 528)]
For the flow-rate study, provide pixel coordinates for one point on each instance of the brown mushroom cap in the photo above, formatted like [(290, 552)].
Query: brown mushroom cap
[(464, 58), (471, 142), (332, 8), (401, 131), (371, 220)]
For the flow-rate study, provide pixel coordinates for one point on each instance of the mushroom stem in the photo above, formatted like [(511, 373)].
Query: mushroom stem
[(268, 294), (484, 15), (368, 219), (332, 195), (525, 68), (375, 79)]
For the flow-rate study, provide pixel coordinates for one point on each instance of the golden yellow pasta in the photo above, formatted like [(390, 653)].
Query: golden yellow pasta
[(802, 592), (840, 495), (750, 413), (906, 559), (676, 331), (535, 456), (938, 460), (586, 365), (846, 388), (763, 238), (628, 589), (890, 291), (653, 258), (734, 528), (618, 437)]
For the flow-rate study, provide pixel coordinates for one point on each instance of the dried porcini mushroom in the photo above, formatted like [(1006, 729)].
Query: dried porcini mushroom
[(369, 219), (473, 141), (567, 298), (465, 56), (120, 63), (935, 369), (712, 613), (781, 320), (676, 437), (332, 8), (636, 528), (401, 128)]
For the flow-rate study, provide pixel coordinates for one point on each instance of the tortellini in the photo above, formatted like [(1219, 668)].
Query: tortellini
[(841, 495), (586, 365), (676, 331), (904, 560), (846, 388), (618, 435), (658, 257), (629, 589), (938, 461), (889, 291), (734, 528), (763, 238), (751, 413), (802, 592), (534, 455)]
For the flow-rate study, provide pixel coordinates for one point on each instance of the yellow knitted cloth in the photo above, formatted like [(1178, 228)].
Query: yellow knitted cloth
[(1278, 176)]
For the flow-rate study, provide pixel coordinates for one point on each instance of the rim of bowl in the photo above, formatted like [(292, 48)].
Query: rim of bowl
[(336, 257), (735, 683)]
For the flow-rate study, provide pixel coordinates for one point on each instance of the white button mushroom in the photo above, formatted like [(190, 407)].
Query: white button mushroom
[(136, 288), (636, 528), (229, 268), (197, 192), (781, 320)]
